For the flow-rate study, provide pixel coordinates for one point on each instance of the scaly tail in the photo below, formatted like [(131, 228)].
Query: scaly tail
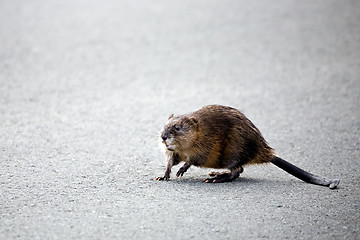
[(303, 175)]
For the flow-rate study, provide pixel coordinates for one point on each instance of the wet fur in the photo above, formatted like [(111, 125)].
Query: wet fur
[(215, 137)]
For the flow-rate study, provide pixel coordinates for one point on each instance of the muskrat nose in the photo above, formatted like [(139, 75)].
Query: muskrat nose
[(163, 137)]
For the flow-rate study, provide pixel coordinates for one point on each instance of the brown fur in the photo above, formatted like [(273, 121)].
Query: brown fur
[(214, 137)]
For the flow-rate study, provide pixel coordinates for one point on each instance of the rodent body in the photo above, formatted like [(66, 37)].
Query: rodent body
[(219, 137)]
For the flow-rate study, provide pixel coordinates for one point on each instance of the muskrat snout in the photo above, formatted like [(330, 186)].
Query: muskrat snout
[(164, 142)]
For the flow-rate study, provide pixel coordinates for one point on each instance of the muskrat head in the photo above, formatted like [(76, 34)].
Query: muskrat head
[(179, 133)]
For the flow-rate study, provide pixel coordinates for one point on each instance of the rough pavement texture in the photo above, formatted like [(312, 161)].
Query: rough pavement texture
[(85, 87)]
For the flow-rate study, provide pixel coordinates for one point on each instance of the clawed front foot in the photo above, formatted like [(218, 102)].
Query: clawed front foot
[(180, 173), (182, 170), (166, 177), (161, 178)]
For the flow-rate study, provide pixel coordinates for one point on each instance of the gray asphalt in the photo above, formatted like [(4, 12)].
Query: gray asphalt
[(85, 87)]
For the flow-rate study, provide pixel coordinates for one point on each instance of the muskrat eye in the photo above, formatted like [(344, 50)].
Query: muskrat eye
[(177, 128)]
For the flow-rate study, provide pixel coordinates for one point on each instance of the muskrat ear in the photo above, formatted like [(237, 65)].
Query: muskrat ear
[(171, 116), (193, 122)]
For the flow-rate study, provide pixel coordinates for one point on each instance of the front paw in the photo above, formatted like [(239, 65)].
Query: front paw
[(180, 173), (182, 170), (162, 178), (166, 177)]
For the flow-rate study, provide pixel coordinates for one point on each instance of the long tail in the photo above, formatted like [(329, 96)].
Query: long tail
[(303, 175)]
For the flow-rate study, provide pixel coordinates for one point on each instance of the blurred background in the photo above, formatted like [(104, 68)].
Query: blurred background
[(85, 87)]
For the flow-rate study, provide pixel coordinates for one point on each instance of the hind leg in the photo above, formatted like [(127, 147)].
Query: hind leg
[(224, 176), (215, 174)]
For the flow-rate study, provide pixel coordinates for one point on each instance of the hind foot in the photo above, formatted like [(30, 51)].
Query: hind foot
[(222, 177), (215, 174)]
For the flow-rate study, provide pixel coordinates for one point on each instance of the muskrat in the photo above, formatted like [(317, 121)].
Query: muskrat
[(222, 137)]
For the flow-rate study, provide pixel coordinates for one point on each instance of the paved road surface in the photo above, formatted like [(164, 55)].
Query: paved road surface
[(85, 87)]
